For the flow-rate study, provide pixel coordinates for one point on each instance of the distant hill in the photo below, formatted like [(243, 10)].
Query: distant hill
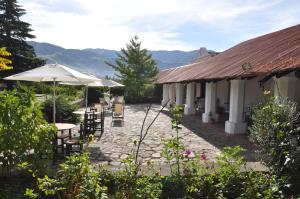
[(93, 60)]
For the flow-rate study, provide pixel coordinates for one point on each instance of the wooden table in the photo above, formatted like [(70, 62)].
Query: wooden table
[(83, 112), (62, 127)]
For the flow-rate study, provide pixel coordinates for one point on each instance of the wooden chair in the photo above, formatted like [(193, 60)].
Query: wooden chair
[(89, 118), (62, 137), (75, 141), (99, 119), (118, 112)]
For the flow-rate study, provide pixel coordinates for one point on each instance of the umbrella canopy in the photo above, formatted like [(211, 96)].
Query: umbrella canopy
[(52, 73), (114, 84), (98, 83)]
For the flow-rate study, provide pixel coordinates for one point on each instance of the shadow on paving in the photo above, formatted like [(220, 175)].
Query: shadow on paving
[(97, 156), (137, 107), (215, 134)]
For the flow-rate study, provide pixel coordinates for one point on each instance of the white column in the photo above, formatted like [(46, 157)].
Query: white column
[(165, 94), (171, 94), (236, 122), (210, 103), (189, 108), (179, 93), (285, 86)]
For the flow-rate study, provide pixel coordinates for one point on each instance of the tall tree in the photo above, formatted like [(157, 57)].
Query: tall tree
[(13, 33), (135, 67)]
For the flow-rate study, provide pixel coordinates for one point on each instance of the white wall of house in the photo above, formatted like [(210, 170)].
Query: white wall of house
[(253, 92), (223, 92), (286, 86), (198, 89), (297, 96)]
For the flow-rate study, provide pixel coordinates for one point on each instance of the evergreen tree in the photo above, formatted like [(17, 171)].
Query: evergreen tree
[(135, 67), (13, 33)]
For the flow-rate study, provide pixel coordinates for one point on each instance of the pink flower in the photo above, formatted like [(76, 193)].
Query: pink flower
[(203, 157), (188, 153)]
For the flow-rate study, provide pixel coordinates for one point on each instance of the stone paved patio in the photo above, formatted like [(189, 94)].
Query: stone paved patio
[(117, 141)]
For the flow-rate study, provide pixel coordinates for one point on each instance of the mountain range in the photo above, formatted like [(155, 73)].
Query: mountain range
[(93, 60)]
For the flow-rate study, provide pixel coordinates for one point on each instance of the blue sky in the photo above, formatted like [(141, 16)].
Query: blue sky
[(161, 24)]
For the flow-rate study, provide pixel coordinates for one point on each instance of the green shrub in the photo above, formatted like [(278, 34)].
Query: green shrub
[(24, 135), (276, 131), (130, 182), (64, 110), (228, 178), (74, 179), (71, 92)]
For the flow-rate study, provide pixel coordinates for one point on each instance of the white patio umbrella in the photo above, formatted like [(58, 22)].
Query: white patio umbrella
[(52, 73), (98, 83)]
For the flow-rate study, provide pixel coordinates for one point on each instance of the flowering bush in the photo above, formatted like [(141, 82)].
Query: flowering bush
[(276, 131), (227, 178)]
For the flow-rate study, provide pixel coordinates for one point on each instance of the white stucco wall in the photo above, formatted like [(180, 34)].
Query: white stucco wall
[(297, 95), (253, 93), (223, 92)]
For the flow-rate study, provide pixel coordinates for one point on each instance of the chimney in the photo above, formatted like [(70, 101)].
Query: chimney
[(202, 52)]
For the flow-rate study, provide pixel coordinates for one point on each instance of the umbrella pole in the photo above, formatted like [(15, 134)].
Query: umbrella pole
[(86, 97), (54, 106)]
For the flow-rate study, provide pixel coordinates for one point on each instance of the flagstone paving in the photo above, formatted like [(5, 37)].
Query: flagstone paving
[(117, 141)]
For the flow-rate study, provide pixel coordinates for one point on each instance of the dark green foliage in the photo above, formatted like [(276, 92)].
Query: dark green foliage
[(14, 187), (64, 110), (226, 178), (70, 92), (13, 33), (74, 179), (135, 68), (131, 182), (24, 135), (276, 131)]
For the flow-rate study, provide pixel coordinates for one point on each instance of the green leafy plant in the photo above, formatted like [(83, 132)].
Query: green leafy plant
[(173, 148), (130, 181), (228, 177), (4, 62), (24, 135), (64, 110), (276, 132), (74, 179)]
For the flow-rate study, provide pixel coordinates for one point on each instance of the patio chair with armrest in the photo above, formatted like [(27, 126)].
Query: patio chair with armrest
[(118, 112), (75, 141)]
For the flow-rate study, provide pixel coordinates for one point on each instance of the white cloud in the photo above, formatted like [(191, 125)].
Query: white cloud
[(110, 24)]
